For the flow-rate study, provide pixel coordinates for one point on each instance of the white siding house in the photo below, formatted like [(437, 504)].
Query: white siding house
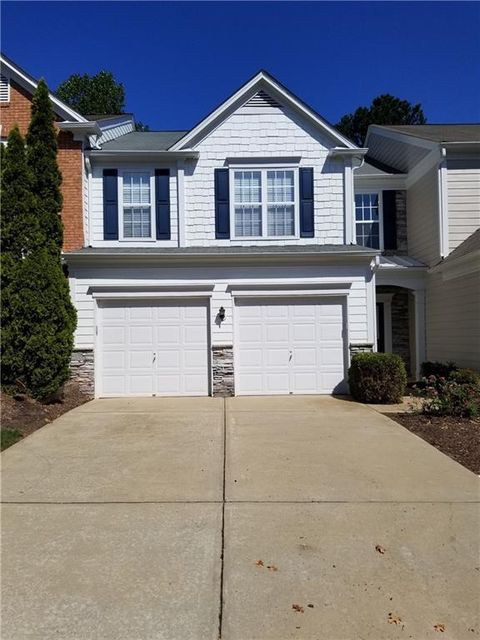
[(255, 253)]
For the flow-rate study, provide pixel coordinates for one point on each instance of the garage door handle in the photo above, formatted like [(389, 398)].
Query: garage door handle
[(154, 357), (289, 356)]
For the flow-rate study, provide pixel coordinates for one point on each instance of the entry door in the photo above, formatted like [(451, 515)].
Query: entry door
[(289, 347), (153, 348)]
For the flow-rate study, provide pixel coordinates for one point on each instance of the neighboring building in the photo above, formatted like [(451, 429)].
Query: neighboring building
[(253, 254), (441, 174), (75, 135)]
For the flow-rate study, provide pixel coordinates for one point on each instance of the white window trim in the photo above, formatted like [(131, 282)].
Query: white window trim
[(153, 228), (8, 80), (379, 193), (296, 205)]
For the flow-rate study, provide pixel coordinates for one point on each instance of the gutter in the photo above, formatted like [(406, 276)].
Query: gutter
[(109, 154), (236, 258)]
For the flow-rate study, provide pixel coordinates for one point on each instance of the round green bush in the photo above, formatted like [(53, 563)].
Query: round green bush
[(378, 378)]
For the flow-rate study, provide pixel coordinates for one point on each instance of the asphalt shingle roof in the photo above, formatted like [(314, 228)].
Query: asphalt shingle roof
[(440, 132), (144, 141)]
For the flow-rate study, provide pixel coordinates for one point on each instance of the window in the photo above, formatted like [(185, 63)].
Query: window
[(4, 89), (368, 219), (137, 205), (264, 203)]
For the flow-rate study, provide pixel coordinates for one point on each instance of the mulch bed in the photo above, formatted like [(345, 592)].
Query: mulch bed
[(458, 438), (25, 415)]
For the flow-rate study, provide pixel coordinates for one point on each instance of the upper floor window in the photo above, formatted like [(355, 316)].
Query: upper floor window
[(137, 205), (368, 219), (265, 203), (4, 89)]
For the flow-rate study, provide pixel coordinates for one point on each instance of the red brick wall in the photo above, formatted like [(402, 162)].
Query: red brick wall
[(17, 111)]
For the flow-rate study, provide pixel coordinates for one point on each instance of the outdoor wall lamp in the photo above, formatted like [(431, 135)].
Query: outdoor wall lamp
[(221, 314)]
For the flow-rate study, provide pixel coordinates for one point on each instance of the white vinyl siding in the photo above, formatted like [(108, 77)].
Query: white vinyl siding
[(423, 219), (453, 313), (463, 200)]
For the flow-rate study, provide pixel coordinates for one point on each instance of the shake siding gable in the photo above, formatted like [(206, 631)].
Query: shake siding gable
[(264, 133)]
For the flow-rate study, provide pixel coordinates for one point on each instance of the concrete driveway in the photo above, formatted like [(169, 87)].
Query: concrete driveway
[(253, 518)]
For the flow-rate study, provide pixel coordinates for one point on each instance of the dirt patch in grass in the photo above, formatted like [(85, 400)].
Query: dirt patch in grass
[(22, 415), (458, 438)]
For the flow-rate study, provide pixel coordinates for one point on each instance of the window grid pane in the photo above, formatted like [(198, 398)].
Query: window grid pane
[(280, 220), (248, 203), (136, 222), (367, 220)]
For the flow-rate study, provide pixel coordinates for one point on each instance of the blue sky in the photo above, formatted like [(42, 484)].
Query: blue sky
[(179, 60)]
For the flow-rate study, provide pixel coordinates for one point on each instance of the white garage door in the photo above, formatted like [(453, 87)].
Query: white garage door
[(284, 348), (153, 348)]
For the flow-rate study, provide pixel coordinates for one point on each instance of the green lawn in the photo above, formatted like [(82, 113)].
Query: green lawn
[(9, 437)]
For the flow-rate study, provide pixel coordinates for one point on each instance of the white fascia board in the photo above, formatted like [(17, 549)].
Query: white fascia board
[(28, 83), (399, 136), (378, 181), (351, 152), (89, 128), (267, 83)]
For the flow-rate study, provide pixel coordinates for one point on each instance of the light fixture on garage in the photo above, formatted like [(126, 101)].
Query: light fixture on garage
[(221, 314)]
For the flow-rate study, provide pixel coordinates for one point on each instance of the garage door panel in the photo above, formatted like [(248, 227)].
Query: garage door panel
[(115, 336), (250, 333), (305, 357), (154, 348), (299, 347), (276, 357), (140, 360)]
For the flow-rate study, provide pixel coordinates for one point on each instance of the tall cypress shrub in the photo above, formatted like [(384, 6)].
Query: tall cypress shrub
[(42, 148), (39, 318)]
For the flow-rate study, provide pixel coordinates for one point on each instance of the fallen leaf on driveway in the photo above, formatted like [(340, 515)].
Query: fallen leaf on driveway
[(259, 563), (298, 608), (393, 619), (310, 605), (272, 567), (379, 549), (439, 627)]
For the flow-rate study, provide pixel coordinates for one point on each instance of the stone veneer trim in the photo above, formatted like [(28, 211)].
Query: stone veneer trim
[(223, 381), (82, 370)]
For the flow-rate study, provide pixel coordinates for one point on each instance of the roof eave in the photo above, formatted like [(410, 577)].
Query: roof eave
[(108, 154)]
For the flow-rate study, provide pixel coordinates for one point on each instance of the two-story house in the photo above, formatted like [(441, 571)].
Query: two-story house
[(252, 254)]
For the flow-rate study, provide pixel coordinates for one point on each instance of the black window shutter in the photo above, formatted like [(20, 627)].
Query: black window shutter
[(162, 203), (306, 203), (389, 220), (222, 204), (110, 204)]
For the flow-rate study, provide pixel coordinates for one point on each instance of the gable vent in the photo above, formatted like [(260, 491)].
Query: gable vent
[(4, 89), (262, 99)]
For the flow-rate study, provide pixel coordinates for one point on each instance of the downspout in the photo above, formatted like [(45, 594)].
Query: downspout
[(443, 204), (88, 167)]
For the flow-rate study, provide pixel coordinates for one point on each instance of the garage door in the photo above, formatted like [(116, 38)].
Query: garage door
[(153, 348), (289, 348)]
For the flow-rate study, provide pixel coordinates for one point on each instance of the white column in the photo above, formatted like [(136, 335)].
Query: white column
[(181, 203), (420, 336)]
